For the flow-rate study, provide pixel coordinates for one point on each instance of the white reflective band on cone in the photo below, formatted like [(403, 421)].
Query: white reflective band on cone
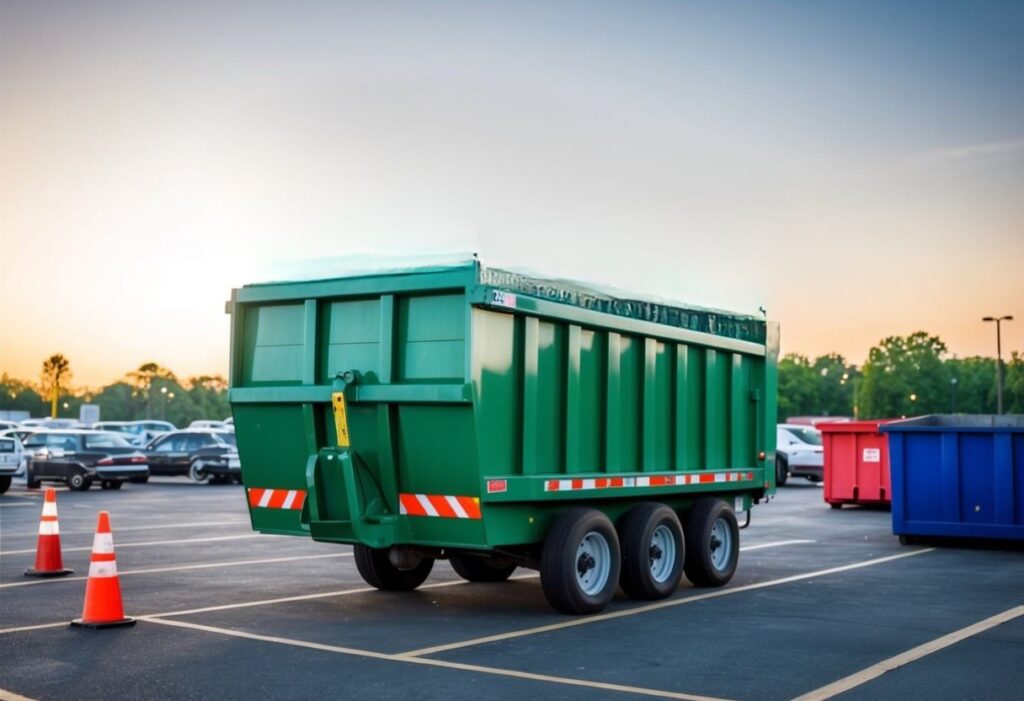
[(49, 528), (103, 543), (49, 508), (103, 569)]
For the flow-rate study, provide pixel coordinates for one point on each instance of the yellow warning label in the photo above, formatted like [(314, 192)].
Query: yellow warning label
[(340, 419)]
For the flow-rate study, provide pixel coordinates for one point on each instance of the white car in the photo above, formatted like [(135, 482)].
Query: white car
[(210, 423), (10, 460), (798, 452), (18, 435)]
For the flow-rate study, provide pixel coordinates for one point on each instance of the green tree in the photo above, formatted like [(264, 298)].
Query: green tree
[(904, 376), (797, 386), (1013, 384), (975, 386), (836, 380), (150, 379), (56, 376), (16, 395)]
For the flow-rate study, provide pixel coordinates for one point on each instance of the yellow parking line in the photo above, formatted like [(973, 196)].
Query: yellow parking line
[(637, 610), (876, 670), (148, 542), (260, 602), (179, 568), (121, 529), (6, 695), (480, 669)]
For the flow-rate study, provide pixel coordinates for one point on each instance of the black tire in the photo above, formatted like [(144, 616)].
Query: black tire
[(376, 570), (568, 559), (481, 569), (79, 481), (197, 475), (5, 483), (814, 479), (105, 484), (139, 480), (29, 481), (781, 471), (836, 506), (706, 565), (643, 552), (115, 484), (907, 540)]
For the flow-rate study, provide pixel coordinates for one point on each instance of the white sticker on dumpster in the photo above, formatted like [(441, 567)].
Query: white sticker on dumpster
[(504, 299), (872, 455)]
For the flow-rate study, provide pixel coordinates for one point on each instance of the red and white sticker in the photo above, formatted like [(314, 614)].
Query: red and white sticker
[(439, 506), (672, 480), (276, 498), (503, 299)]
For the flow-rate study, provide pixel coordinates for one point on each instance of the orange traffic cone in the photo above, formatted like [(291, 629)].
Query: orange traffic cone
[(49, 562), (103, 607)]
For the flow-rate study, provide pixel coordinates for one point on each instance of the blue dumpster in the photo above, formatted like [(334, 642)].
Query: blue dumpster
[(957, 476)]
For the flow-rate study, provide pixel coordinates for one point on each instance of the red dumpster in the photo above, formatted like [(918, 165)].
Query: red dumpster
[(856, 463)]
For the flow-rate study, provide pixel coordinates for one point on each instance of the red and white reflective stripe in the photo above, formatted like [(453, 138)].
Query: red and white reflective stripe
[(671, 480), (106, 568), (277, 498), (439, 506), (48, 526)]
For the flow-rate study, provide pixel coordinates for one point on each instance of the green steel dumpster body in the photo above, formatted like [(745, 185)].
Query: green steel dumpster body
[(465, 408)]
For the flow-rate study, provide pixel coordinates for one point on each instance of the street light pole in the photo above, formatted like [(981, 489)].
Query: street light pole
[(999, 358)]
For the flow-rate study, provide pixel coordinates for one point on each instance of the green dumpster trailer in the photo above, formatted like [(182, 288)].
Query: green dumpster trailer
[(499, 421)]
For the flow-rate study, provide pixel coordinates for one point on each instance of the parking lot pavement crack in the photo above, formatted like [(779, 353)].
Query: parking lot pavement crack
[(443, 664), (636, 610)]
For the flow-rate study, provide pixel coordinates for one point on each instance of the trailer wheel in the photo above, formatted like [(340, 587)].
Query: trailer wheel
[(580, 562), (653, 550), (712, 543), (481, 569), (376, 569)]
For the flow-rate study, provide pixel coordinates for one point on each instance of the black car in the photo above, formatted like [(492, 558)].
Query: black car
[(202, 455), (80, 457)]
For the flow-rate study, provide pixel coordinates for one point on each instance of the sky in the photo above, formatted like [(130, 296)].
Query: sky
[(857, 168)]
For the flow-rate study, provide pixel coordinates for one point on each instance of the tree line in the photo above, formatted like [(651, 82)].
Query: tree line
[(902, 376), (148, 392)]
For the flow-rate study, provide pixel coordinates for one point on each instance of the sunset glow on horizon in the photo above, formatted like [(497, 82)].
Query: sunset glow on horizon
[(858, 171)]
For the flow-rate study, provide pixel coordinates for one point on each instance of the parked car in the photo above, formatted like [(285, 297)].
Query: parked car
[(139, 433), (51, 423), (10, 460), (19, 436), (80, 457), (8, 425), (196, 453), (209, 423), (798, 453)]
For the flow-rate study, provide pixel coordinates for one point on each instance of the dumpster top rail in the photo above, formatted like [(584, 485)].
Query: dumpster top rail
[(470, 274), (958, 422)]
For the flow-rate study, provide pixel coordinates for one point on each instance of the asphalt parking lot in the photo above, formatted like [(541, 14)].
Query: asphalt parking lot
[(824, 604)]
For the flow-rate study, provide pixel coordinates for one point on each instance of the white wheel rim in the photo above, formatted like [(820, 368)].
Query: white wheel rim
[(662, 554), (593, 563), (193, 472), (721, 544)]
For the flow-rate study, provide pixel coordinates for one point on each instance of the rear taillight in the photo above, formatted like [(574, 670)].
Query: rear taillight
[(138, 459), (105, 461)]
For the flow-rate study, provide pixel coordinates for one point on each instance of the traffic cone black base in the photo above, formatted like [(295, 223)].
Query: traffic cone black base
[(47, 573), (129, 621)]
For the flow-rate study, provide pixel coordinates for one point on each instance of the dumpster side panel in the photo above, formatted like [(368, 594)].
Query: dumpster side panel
[(856, 463), (953, 476)]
